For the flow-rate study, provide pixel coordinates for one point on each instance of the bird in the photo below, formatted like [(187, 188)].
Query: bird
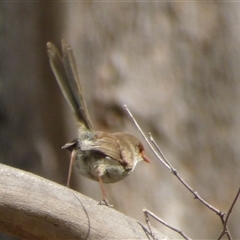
[(101, 156)]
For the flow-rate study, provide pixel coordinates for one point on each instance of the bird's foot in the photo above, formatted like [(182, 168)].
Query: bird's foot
[(105, 202)]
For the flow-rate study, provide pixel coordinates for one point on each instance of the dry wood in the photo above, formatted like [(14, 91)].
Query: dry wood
[(32, 207)]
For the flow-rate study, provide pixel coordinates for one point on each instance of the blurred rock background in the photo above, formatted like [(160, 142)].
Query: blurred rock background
[(176, 66)]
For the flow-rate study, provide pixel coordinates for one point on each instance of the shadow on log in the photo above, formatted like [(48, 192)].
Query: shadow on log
[(32, 207)]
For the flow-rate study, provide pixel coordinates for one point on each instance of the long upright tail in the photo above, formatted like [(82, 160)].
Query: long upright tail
[(65, 71)]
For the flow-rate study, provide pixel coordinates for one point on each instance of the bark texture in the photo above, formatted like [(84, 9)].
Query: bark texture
[(32, 207)]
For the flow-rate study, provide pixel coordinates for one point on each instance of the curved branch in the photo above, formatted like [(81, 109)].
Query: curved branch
[(32, 207)]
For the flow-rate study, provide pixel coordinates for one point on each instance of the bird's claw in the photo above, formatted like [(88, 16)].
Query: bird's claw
[(106, 203)]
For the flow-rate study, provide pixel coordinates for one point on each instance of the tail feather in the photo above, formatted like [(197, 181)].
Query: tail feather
[(65, 71)]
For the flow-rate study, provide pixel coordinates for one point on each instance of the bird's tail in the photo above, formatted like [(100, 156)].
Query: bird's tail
[(65, 71)]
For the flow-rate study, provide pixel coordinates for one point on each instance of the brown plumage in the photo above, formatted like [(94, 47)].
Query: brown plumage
[(100, 156)]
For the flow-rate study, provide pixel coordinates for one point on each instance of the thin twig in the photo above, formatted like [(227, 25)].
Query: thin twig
[(164, 160), (196, 195), (231, 208), (148, 224), (147, 231), (157, 151), (225, 229), (146, 212), (144, 136)]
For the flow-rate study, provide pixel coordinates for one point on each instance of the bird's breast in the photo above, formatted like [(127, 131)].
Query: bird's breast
[(93, 164)]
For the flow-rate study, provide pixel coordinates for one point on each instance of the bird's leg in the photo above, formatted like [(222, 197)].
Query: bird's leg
[(73, 157), (104, 201)]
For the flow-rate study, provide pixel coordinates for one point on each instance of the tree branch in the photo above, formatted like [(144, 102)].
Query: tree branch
[(32, 207), (147, 212), (157, 151), (225, 220)]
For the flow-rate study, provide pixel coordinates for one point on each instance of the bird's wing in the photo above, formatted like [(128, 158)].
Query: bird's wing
[(109, 145)]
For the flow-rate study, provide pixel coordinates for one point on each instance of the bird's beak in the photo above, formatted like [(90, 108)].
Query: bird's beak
[(145, 158)]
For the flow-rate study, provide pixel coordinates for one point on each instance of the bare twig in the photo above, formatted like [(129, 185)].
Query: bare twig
[(148, 224), (196, 195), (225, 229), (163, 158), (148, 233), (146, 139), (147, 212), (160, 156)]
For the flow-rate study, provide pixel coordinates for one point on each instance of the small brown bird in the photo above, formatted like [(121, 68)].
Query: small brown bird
[(100, 156)]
